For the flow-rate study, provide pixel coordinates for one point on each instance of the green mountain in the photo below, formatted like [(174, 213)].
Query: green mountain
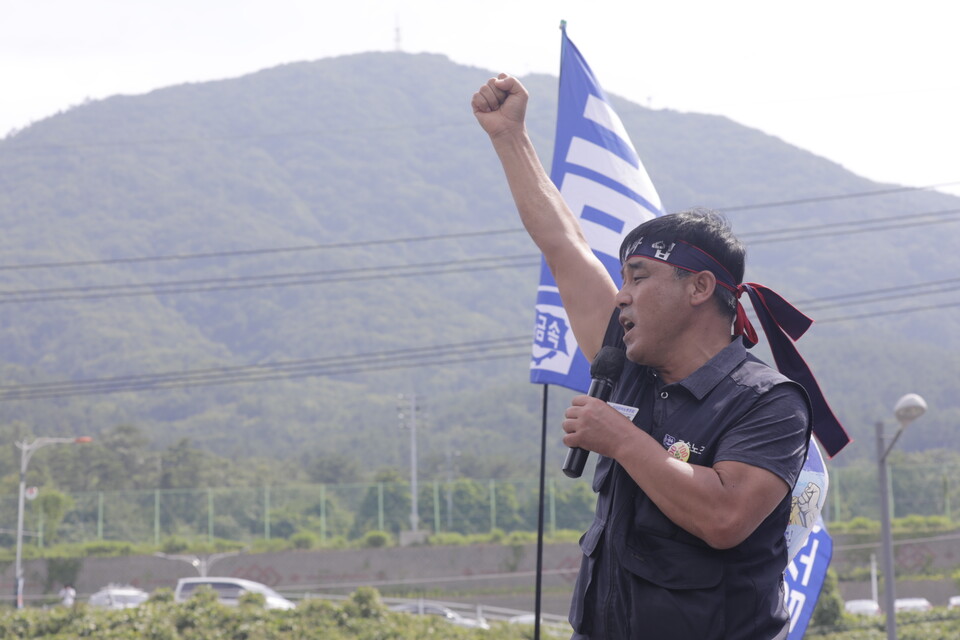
[(262, 264)]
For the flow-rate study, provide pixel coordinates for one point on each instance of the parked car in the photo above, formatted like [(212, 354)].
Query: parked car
[(954, 602), (117, 596), (448, 614), (912, 604), (229, 591), (862, 607)]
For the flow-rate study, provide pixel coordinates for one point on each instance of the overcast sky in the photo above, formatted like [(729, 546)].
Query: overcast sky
[(871, 85)]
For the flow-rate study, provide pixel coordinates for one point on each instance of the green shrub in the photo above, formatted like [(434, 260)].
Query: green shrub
[(221, 545), (365, 603), (267, 546), (362, 616), (251, 599), (922, 524), (829, 608), (305, 540), (375, 539), (107, 548), (163, 594), (521, 537), (496, 536), (205, 594), (316, 607), (174, 544), (61, 571), (565, 535), (336, 542), (859, 524), (448, 538)]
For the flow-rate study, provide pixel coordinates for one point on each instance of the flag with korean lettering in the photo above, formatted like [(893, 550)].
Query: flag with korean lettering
[(809, 546), (804, 578), (602, 180)]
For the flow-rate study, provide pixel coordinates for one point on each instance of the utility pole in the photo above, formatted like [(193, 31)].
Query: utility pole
[(452, 469), (27, 450), (407, 411)]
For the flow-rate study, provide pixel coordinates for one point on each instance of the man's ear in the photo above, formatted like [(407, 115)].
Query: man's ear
[(703, 284)]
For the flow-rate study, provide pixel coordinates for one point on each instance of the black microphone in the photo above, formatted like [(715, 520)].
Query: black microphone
[(605, 372)]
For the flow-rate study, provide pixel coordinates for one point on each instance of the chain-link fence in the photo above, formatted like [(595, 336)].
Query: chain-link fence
[(349, 511), (325, 511)]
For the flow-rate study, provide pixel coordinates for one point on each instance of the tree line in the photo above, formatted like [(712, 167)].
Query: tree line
[(119, 487)]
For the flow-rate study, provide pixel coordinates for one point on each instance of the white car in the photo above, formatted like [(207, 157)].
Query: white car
[(433, 609), (229, 591), (862, 607), (954, 602), (118, 597), (912, 604)]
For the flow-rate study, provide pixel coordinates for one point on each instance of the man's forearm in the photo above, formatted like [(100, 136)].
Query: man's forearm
[(542, 210)]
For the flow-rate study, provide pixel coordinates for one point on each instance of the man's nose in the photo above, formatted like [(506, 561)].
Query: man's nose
[(622, 299)]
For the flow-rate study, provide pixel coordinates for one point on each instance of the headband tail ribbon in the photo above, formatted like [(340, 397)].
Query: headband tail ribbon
[(783, 324)]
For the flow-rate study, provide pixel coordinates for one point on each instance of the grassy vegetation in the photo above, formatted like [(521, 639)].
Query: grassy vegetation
[(939, 624), (372, 539), (363, 616)]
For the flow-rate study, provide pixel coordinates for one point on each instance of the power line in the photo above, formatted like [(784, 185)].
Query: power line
[(284, 364), (843, 196), (20, 148), (229, 380), (269, 250), (455, 353), (901, 311), (880, 295), (864, 226), (493, 349), (469, 234), (207, 285), (842, 300), (204, 285), (334, 274)]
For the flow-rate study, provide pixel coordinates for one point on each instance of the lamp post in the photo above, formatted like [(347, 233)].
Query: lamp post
[(908, 408), (27, 450), (201, 564)]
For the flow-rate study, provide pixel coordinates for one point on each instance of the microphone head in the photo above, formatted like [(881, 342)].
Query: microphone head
[(608, 364)]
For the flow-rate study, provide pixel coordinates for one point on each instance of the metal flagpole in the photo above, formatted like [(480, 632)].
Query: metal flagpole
[(543, 466)]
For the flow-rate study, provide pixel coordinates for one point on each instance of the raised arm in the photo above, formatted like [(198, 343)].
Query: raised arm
[(585, 286)]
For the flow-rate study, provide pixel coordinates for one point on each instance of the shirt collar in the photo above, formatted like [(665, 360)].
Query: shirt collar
[(703, 380)]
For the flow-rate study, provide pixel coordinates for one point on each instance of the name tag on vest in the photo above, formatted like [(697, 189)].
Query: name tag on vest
[(629, 412)]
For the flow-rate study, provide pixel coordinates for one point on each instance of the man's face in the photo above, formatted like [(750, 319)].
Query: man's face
[(654, 310)]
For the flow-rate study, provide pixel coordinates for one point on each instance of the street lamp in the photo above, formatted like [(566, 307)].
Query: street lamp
[(908, 408), (26, 452), (201, 564)]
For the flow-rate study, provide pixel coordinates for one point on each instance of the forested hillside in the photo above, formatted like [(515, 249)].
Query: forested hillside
[(262, 264)]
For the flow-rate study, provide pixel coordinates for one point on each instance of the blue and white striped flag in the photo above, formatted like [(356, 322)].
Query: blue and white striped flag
[(602, 180), (809, 546), (804, 579)]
